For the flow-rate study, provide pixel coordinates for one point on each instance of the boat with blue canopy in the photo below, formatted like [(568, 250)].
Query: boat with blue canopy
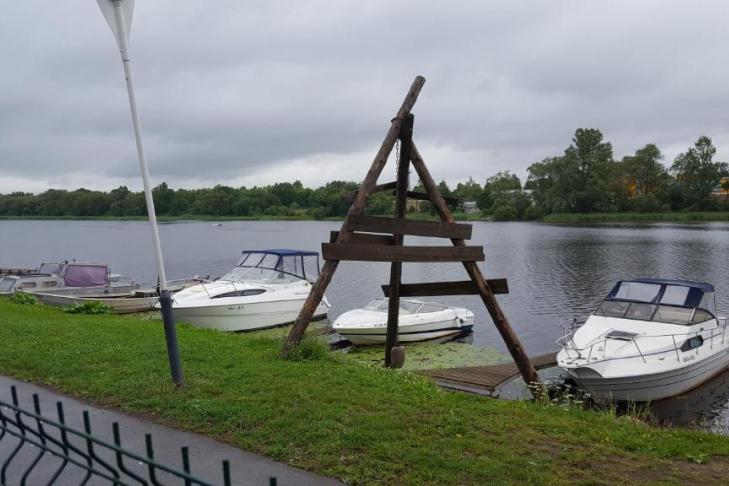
[(649, 339), (266, 289)]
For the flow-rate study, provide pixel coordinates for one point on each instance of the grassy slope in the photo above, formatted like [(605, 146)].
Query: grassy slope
[(362, 424)]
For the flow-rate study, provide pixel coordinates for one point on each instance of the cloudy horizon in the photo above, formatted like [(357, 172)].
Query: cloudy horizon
[(251, 94)]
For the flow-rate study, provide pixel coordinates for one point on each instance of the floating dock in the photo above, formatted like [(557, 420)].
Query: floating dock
[(485, 380)]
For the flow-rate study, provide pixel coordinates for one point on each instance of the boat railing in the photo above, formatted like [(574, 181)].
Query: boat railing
[(599, 343)]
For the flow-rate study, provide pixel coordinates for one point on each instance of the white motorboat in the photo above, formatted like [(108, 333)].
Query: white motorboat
[(266, 289), (649, 339), (418, 321), (52, 277)]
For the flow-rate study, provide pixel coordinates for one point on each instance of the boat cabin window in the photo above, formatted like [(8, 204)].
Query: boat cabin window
[(7, 284), (29, 285), (240, 293), (692, 343), (50, 283)]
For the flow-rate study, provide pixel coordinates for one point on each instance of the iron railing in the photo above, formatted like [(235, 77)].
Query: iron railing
[(35, 450)]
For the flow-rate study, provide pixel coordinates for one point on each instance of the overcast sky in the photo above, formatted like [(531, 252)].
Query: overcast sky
[(250, 93)]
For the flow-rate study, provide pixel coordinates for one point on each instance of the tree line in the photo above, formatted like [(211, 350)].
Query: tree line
[(585, 178)]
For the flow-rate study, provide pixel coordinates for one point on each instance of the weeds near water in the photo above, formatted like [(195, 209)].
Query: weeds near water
[(93, 308), (309, 349), (23, 298), (562, 395)]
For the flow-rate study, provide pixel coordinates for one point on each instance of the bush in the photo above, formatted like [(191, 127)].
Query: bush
[(23, 298), (505, 213), (94, 307), (644, 204)]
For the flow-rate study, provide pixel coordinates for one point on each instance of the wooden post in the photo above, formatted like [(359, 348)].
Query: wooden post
[(487, 296), (370, 180), (401, 190)]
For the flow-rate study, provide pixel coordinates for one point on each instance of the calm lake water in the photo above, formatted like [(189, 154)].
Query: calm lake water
[(555, 272)]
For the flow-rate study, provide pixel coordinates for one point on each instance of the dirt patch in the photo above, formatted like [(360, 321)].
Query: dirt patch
[(629, 470)]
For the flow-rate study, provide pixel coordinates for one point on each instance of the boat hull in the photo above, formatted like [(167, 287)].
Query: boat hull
[(651, 387), (118, 305), (245, 317), (376, 333)]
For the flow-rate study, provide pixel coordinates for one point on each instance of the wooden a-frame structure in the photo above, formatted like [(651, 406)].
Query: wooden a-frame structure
[(368, 238)]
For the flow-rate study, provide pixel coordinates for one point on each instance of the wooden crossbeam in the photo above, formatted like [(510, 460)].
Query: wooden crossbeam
[(397, 226), (382, 253), (388, 186), (422, 196), (464, 287), (364, 239)]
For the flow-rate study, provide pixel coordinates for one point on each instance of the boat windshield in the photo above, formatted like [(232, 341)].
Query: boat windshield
[(259, 275), (671, 302), (406, 306), (7, 284), (275, 266), (50, 268)]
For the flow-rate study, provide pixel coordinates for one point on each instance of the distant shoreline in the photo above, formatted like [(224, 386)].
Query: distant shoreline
[(573, 218)]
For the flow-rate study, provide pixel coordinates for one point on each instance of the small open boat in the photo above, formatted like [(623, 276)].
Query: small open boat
[(418, 321), (119, 302), (649, 339)]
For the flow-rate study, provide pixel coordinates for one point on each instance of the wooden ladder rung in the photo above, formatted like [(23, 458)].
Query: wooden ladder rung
[(364, 239), (397, 226), (384, 253), (463, 287)]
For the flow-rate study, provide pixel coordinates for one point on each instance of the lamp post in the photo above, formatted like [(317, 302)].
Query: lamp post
[(118, 14)]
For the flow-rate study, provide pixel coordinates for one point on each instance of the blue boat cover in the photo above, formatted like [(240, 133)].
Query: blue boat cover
[(704, 287), (693, 297)]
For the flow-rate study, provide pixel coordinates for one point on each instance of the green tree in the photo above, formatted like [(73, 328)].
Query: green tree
[(578, 181), (697, 173), (503, 181)]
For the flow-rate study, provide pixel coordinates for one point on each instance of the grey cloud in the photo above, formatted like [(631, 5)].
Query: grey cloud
[(229, 89)]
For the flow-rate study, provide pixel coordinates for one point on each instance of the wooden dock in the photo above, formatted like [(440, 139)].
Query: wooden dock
[(484, 380)]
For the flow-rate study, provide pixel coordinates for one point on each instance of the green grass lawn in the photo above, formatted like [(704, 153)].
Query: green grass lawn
[(363, 424)]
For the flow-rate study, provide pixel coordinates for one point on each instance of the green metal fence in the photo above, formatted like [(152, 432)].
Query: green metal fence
[(35, 450)]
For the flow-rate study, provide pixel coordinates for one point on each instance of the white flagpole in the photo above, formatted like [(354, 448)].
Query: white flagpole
[(119, 25)]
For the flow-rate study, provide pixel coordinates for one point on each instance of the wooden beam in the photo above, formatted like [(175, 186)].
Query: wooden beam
[(422, 196), (364, 239), (510, 338), (464, 287), (389, 186), (381, 253), (370, 180), (401, 189), (399, 226)]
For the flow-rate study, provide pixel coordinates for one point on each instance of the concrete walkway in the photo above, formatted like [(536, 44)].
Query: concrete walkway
[(206, 455)]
